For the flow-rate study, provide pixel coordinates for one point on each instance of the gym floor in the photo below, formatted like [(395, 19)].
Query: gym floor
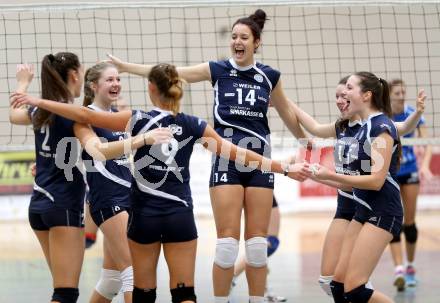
[(294, 268)]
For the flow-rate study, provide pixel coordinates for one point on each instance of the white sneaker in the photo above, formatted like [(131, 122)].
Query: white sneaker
[(399, 279), (271, 297)]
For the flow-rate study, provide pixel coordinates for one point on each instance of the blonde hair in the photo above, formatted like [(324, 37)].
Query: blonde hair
[(92, 75), (167, 80)]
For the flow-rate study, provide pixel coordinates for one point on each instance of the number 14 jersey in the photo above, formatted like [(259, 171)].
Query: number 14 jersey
[(241, 99)]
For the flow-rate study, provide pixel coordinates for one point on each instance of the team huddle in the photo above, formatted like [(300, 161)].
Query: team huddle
[(132, 168)]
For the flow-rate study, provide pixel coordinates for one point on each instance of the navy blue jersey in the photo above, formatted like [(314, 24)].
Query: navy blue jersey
[(161, 172), (408, 162), (58, 182), (109, 181), (345, 142), (385, 201), (242, 96)]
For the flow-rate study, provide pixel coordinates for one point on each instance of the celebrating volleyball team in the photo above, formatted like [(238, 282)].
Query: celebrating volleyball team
[(136, 167)]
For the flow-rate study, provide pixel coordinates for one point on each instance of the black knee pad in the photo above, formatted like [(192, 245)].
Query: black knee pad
[(144, 295), (65, 295), (337, 289), (360, 294), (183, 293), (411, 233), (396, 239)]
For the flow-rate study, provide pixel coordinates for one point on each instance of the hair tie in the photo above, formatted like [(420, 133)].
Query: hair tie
[(51, 58)]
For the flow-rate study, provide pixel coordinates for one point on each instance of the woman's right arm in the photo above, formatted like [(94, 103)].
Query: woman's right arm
[(225, 149), (333, 184), (24, 75), (113, 121), (191, 74), (312, 126), (102, 151)]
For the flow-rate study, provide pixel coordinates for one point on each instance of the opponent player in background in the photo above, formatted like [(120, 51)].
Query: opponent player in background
[(408, 179)]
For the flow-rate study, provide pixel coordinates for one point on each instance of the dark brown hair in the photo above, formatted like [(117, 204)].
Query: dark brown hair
[(167, 80), (341, 124), (54, 76), (92, 75), (380, 98), (255, 22), (379, 89)]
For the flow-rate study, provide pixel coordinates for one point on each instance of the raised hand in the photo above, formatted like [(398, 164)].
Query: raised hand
[(420, 104), (158, 136), (24, 75)]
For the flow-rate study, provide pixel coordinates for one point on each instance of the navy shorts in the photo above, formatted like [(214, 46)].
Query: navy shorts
[(390, 223), (226, 172), (56, 217), (346, 207), (412, 178), (100, 216), (176, 227)]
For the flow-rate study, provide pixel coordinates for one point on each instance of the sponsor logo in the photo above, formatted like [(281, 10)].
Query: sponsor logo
[(246, 113), (373, 219), (250, 86), (258, 78), (175, 129), (233, 73)]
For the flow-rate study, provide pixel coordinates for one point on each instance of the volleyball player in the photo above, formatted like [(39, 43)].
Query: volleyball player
[(109, 186), (242, 90), (345, 130), (408, 179), (273, 243), (56, 207), (372, 173), (162, 206)]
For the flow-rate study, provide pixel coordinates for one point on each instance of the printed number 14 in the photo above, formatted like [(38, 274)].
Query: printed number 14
[(250, 97)]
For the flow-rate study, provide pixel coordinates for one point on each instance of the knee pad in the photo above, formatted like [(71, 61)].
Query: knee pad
[(182, 293), (109, 283), (127, 279), (324, 282), (360, 294), (272, 244), (411, 233), (337, 289), (256, 251), (226, 252), (65, 295), (144, 295), (396, 239)]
